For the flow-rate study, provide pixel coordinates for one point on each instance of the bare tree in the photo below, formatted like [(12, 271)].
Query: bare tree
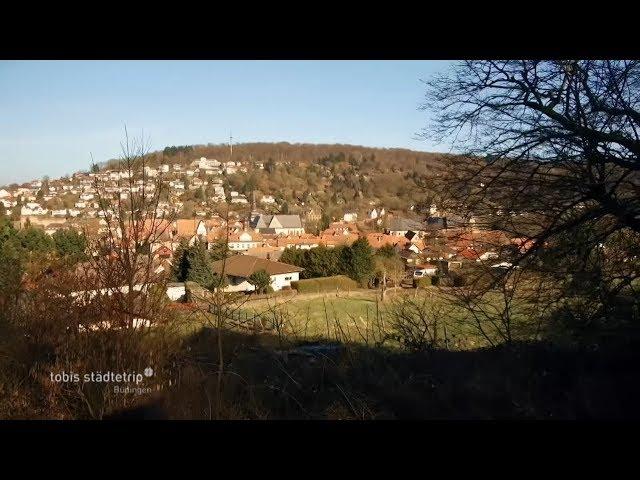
[(549, 153), (123, 260)]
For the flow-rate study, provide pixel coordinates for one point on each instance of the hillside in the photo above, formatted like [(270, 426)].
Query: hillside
[(328, 179), (320, 182)]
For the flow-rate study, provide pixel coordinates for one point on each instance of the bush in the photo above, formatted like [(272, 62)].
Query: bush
[(421, 282), (435, 280), (324, 284)]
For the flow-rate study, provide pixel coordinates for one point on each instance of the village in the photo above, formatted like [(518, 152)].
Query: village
[(432, 245)]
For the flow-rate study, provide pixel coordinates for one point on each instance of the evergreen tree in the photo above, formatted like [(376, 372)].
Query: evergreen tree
[(35, 240), (358, 261), (292, 256), (180, 268), (200, 270), (70, 243), (219, 250)]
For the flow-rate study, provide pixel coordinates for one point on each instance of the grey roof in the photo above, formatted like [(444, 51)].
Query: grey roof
[(405, 224), (277, 221)]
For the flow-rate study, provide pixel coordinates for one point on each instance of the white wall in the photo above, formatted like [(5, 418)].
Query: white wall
[(174, 292), (284, 280)]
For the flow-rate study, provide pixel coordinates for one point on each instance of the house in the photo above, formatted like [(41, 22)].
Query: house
[(239, 268), (268, 199), (350, 217), (301, 242), (190, 229), (401, 226), (278, 224), (4, 193), (244, 241), (150, 172), (205, 164), (425, 270)]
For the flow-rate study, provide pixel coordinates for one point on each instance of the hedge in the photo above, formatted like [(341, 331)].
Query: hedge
[(324, 284)]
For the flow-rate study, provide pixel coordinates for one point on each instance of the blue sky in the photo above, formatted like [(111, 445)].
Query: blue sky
[(53, 114)]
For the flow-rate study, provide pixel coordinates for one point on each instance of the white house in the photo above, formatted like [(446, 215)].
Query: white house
[(4, 193), (59, 213), (240, 199), (32, 209), (150, 172), (268, 199), (239, 268), (350, 217), (244, 241)]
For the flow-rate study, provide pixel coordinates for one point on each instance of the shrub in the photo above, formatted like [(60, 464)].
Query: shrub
[(421, 282), (324, 284), (193, 291), (457, 279)]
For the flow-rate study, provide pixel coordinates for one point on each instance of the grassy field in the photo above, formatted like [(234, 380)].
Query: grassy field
[(345, 317), (359, 316)]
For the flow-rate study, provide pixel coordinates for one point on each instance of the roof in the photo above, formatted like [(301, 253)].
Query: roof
[(187, 227), (378, 240), (404, 224), (273, 253), (245, 265), (277, 221)]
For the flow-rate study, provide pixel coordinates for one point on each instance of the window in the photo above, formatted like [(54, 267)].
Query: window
[(288, 278)]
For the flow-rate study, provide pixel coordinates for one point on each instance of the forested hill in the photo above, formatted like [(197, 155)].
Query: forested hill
[(403, 159)]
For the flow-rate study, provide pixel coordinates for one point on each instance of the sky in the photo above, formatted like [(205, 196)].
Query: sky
[(55, 115)]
